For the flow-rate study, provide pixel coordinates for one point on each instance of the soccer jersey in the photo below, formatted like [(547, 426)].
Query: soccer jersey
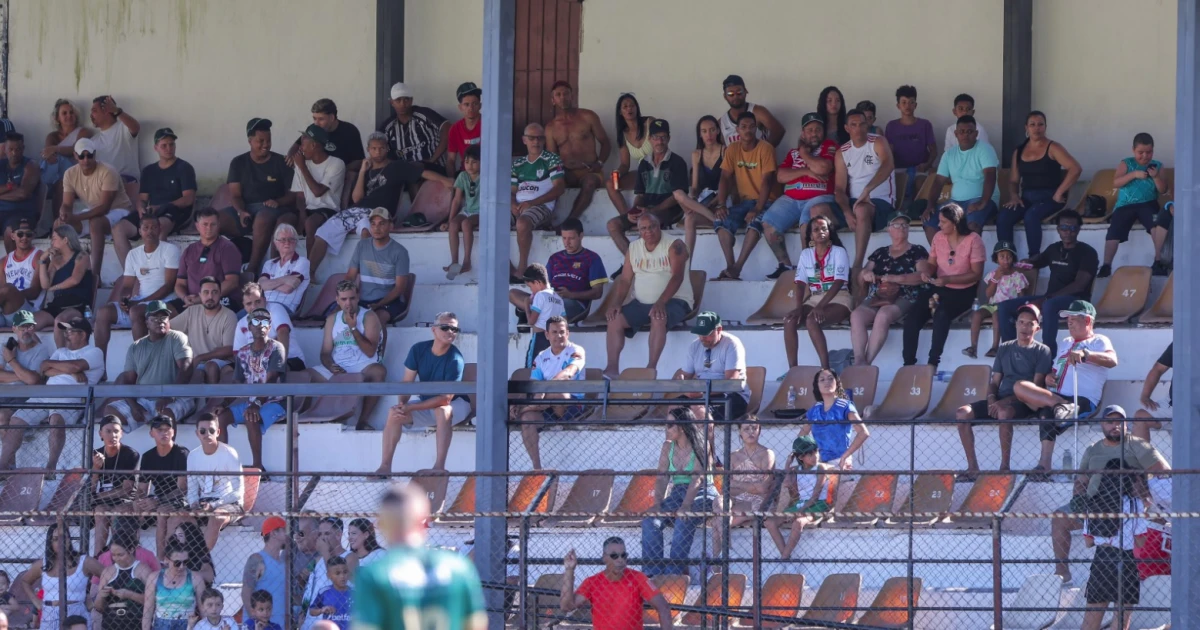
[(547, 365), (576, 272), (415, 588), (861, 165), (819, 274), (546, 304), (20, 273), (807, 186), (535, 178)]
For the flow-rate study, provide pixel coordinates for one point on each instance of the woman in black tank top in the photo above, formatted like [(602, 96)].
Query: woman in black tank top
[(1041, 175), (66, 275), (706, 175), (122, 586)]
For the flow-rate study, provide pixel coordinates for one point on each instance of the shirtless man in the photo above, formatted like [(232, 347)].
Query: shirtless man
[(573, 135), (733, 88)]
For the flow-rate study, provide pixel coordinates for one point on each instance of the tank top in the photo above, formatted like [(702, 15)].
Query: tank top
[(637, 154), (78, 295), (11, 177), (124, 614), (729, 128), (1138, 190), (861, 165), (273, 582), (77, 585), (806, 485), (710, 177), (69, 140), (174, 603), (652, 272), (345, 349), (21, 272), (1040, 174)]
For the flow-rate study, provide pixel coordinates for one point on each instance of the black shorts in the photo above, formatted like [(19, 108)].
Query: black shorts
[(1123, 218), (295, 365), (737, 406), (176, 305), (637, 314), (56, 309), (979, 410), (1114, 577), (177, 216), (394, 309), (537, 343), (1063, 416), (1164, 219)]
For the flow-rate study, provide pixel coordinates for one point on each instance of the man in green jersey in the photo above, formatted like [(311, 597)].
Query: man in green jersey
[(415, 587)]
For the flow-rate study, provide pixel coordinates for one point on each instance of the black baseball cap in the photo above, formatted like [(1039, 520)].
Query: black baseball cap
[(163, 133), (467, 89), (732, 80), (660, 126), (78, 323), (257, 124), (811, 117), (159, 420)]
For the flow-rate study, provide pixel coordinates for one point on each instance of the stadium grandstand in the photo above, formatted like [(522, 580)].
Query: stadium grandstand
[(770, 353)]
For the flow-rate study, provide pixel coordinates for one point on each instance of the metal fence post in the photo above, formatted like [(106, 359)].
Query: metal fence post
[(997, 576), (756, 571), (290, 499)]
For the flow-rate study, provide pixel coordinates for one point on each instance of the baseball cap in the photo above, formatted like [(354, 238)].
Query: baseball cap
[(401, 90), (379, 212), (467, 89), (260, 313), (731, 81), (660, 126), (156, 306), (899, 214), (1113, 409), (320, 136), (273, 523), (1079, 307), (159, 420), (22, 318), (84, 145), (1032, 308), (1003, 246), (109, 419), (804, 445), (706, 322), (163, 133), (76, 324), (6, 126), (257, 124), (811, 117)]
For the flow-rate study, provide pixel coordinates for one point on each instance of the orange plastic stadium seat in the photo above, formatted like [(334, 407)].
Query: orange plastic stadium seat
[(638, 497), (893, 595), (314, 315), (900, 176), (714, 599), (334, 408), (931, 493), (835, 600), (69, 489), (434, 483), (599, 316), (968, 384), (780, 598), (463, 502), (988, 495), (800, 377), (249, 488), (1126, 295), (590, 494), (756, 379), (527, 490), (547, 604), (410, 283), (873, 493), (780, 302), (1002, 176), (673, 589), (908, 397), (861, 381), (1163, 309), (22, 493), (1102, 185)]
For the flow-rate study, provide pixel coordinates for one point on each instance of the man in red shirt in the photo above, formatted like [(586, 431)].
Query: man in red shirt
[(807, 177), (616, 593), (467, 131)]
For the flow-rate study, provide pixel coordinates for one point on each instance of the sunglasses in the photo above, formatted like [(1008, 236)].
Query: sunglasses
[(86, 155), (178, 564), (616, 556), (23, 234), (260, 321), (204, 254), (206, 431), (951, 261), (1068, 228), (448, 328), (707, 358), (285, 240), (529, 137)]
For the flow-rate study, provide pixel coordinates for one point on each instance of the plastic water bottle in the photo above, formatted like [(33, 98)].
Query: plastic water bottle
[(1068, 460), (942, 376), (975, 305), (791, 397), (87, 312)]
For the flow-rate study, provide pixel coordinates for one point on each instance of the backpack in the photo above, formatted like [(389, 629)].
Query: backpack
[(1110, 499), (1095, 207)]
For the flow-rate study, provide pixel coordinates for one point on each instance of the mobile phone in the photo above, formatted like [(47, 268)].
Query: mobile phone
[(12, 343)]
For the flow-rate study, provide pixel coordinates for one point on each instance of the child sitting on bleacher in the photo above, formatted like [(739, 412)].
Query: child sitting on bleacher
[(1005, 282), (811, 493)]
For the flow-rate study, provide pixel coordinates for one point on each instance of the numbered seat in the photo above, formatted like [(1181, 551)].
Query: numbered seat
[(637, 498), (988, 495), (1040, 596), (930, 494), (1163, 309), (801, 378), (835, 600), (715, 599), (968, 384), (890, 608), (619, 408), (522, 499), (908, 396), (780, 302), (22, 493), (756, 379), (861, 381), (1101, 185), (872, 493), (434, 483), (780, 597), (674, 590), (69, 490), (1126, 295), (590, 495)]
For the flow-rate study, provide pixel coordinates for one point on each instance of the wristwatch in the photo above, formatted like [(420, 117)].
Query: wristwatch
[(1086, 354)]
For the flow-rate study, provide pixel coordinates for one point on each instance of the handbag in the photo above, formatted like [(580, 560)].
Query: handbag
[(1095, 207)]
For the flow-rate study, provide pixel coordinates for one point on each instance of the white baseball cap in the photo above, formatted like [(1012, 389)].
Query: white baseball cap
[(400, 90), (84, 145)]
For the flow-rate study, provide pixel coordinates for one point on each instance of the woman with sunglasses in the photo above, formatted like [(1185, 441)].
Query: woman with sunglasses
[(78, 569), (892, 284), (285, 277), (683, 464), (954, 268), (364, 547), (66, 272), (200, 561), (172, 592)]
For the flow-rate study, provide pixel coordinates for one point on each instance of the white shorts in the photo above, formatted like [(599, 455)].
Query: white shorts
[(113, 215), (355, 368), (220, 363), (34, 417), (6, 321), (459, 410), (181, 407), (123, 320), (339, 226)]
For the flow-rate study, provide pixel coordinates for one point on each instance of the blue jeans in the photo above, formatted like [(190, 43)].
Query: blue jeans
[(681, 538), (170, 624), (1039, 204), (1006, 317), (979, 217), (786, 213), (736, 219)]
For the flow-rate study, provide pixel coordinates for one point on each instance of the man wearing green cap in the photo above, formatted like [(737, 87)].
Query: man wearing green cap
[(715, 355), (1079, 373), (23, 355), (260, 184), (162, 357)]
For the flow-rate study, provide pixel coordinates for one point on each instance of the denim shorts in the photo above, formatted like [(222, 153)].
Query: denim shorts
[(736, 219), (786, 213), (883, 212)]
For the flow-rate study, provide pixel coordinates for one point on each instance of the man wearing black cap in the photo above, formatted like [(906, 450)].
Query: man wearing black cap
[(466, 132), (573, 135), (162, 493), (319, 179), (260, 186), (1023, 359), (77, 362), (769, 128), (168, 187), (659, 179)]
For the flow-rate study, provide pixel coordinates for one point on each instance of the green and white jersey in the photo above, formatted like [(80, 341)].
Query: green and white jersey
[(416, 588), (536, 178)]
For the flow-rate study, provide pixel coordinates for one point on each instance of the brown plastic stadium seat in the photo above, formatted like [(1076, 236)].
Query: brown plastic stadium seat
[(410, 283), (931, 493), (69, 485), (22, 493), (599, 316), (314, 315), (222, 198), (250, 488), (617, 408), (1101, 184), (860, 381), (464, 501), (433, 201), (908, 397), (801, 377), (781, 595), (780, 302), (968, 384), (673, 589), (591, 493), (334, 408), (527, 490), (714, 599), (1126, 295), (756, 379), (988, 495), (699, 279), (638, 497), (470, 375), (547, 604), (838, 595), (1163, 309), (894, 594), (1002, 176), (901, 179), (873, 493), (434, 483)]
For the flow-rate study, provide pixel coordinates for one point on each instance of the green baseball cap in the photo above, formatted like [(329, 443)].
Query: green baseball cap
[(1003, 246), (320, 136), (804, 445), (1079, 307), (706, 322), (812, 117), (22, 318), (164, 133), (257, 124), (156, 306)]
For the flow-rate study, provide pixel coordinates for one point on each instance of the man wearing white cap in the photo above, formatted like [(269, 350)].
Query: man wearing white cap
[(416, 133), (93, 190)]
